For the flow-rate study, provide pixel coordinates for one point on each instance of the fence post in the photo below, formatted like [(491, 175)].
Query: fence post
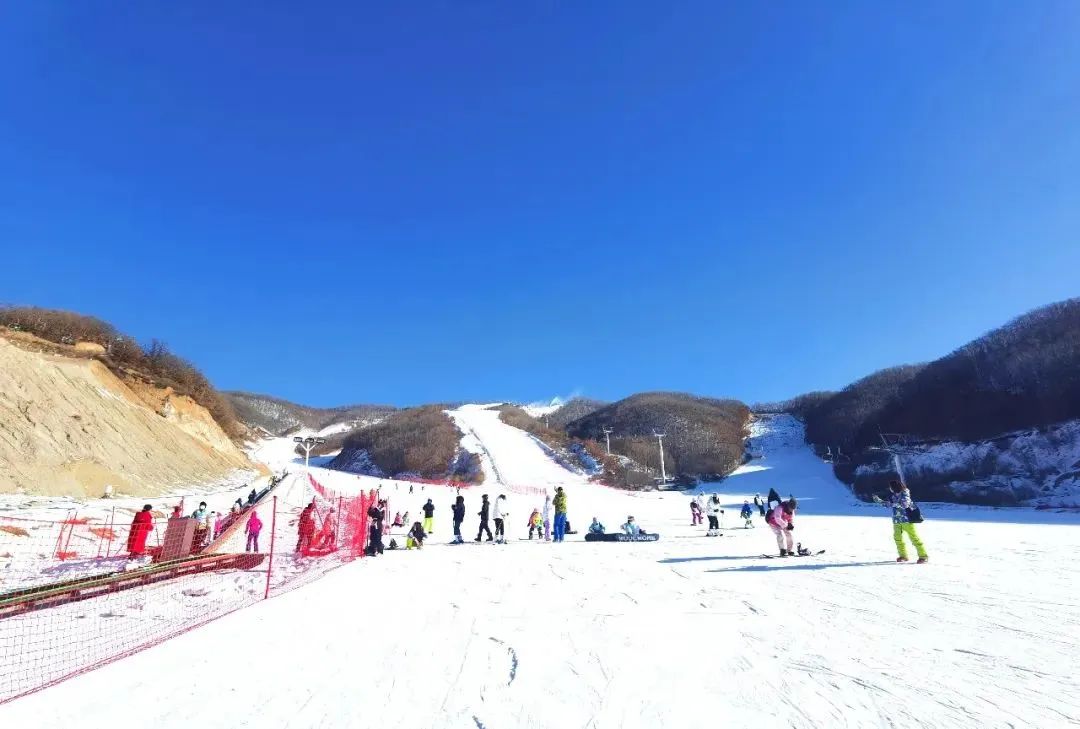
[(337, 525), (270, 561)]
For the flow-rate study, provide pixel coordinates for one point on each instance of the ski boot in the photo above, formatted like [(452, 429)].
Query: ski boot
[(922, 560), (901, 559), (784, 553)]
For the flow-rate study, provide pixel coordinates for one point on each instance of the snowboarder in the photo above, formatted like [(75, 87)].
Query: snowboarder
[(485, 507), (252, 496), (901, 503), (560, 513), (596, 527), (631, 528), (141, 526), (781, 519), (398, 521), (695, 512), (305, 530), (547, 517), (499, 516), (429, 516), (712, 507), (252, 529), (415, 537), (759, 504), (747, 513), (458, 510), (537, 523)]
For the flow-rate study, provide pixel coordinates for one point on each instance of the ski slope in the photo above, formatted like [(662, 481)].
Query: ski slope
[(686, 632)]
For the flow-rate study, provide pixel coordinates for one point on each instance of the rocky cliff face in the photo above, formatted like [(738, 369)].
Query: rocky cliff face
[(69, 426)]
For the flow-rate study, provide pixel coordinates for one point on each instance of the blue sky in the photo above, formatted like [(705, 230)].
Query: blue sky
[(337, 202)]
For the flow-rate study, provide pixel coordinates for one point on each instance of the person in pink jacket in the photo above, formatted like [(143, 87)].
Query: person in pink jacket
[(252, 529), (781, 519)]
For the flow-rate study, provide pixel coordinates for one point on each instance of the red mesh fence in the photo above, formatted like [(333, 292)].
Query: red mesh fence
[(73, 596)]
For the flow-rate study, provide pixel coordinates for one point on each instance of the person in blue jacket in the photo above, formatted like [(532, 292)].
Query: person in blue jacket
[(596, 527), (746, 513)]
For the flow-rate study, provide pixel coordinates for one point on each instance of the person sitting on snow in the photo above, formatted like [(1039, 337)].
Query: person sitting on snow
[(746, 514), (596, 527), (631, 528), (397, 520), (415, 537)]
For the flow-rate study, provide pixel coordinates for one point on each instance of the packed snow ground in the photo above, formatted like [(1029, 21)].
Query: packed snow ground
[(685, 632)]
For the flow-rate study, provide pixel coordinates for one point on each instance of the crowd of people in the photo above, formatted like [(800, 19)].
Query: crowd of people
[(209, 524), (547, 522), (779, 516)]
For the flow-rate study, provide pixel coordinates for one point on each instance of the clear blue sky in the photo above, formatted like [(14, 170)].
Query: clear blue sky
[(337, 202)]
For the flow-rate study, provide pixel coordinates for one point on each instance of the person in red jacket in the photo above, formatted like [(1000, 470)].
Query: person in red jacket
[(141, 526), (306, 529)]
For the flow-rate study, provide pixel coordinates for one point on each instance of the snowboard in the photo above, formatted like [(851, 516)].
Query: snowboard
[(808, 554)]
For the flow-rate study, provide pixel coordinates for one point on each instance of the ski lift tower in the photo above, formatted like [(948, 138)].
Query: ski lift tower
[(607, 438), (663, 471), (896, 445), (308, 444)]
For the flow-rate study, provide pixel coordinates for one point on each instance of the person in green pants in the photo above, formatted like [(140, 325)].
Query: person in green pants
[(900, 501)]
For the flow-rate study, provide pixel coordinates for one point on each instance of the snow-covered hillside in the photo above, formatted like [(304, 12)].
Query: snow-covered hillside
[(685, 632), (1039, 467)]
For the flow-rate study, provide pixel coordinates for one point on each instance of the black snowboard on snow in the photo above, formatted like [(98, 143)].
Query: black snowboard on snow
[(591, 537), (802, 554)]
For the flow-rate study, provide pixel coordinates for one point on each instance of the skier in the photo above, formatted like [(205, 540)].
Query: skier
[(900, 501), (252, 529), (781, 520), (747, 513), (547, 517), (695, 512), (459, 516), (415, 537), (535, 522), (712, 507), (485, 507), (560, 513), (596, 527), (429, 516), (759, 504), (499, 516), (141, 526)]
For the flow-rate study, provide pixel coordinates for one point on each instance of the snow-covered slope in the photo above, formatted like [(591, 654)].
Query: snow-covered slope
[(686, 632)]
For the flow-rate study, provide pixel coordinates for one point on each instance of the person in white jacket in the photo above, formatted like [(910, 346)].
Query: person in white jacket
[(713, 510), (546, 514), (499, 514)]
